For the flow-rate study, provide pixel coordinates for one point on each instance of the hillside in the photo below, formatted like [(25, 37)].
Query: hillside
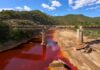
[(72, 19), (8, 18), (36, 17), (41, 18)]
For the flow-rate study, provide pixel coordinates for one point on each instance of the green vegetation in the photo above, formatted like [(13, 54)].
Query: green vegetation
[(92, 33), (79, 20), (34, 18)]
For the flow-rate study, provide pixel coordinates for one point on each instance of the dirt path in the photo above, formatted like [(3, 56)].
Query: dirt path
[(67, 40)]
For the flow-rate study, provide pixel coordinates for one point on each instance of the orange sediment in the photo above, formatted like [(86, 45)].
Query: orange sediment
[(32, 56)]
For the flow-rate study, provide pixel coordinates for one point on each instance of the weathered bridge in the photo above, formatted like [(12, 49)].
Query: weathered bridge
[(43, 28)]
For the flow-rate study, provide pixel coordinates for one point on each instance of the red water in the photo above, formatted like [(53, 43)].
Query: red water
[(33, 56)]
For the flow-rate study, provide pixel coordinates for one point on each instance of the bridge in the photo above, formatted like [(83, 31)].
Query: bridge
[(44, 28)]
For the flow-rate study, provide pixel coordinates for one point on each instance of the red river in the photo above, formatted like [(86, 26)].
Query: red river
[(33, 56)]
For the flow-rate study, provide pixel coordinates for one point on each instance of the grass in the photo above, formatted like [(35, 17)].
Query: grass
[(92, 33)]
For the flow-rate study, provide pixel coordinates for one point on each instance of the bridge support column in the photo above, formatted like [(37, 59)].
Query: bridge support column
[(80, 35), (43, 37)]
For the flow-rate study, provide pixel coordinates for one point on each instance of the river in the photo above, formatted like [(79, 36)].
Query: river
[(33, 56)]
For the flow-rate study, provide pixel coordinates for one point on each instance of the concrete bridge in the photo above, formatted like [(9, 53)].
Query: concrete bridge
[(43, 28)]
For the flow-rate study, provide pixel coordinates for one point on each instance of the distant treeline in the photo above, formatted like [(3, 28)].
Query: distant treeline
[(79, 20), (36, 17)]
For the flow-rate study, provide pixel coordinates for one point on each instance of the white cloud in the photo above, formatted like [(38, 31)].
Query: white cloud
[(45, 5), (6, 9), (56, 4), (48, 7), (53, 6), (76, 4), (19, 8), (98, 2), (24, 8), (93, 8), (70, 2), (81, 3)]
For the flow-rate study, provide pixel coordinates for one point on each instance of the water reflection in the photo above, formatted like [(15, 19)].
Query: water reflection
[(31, 56)]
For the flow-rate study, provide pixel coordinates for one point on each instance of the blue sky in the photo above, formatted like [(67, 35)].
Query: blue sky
[(54, 7)]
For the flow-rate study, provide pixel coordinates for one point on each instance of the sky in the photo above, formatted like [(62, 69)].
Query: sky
[(89, 8)]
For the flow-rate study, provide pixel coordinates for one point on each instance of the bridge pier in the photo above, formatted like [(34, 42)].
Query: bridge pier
[(80, 35), (43, 36)]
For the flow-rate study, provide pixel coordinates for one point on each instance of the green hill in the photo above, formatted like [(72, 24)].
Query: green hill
[(32, 18), (78, 20), (36, 17)]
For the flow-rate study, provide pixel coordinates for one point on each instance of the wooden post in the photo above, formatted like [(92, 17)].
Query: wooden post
[(42, 33), (80, 35), (43, 43), (43, 37)]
